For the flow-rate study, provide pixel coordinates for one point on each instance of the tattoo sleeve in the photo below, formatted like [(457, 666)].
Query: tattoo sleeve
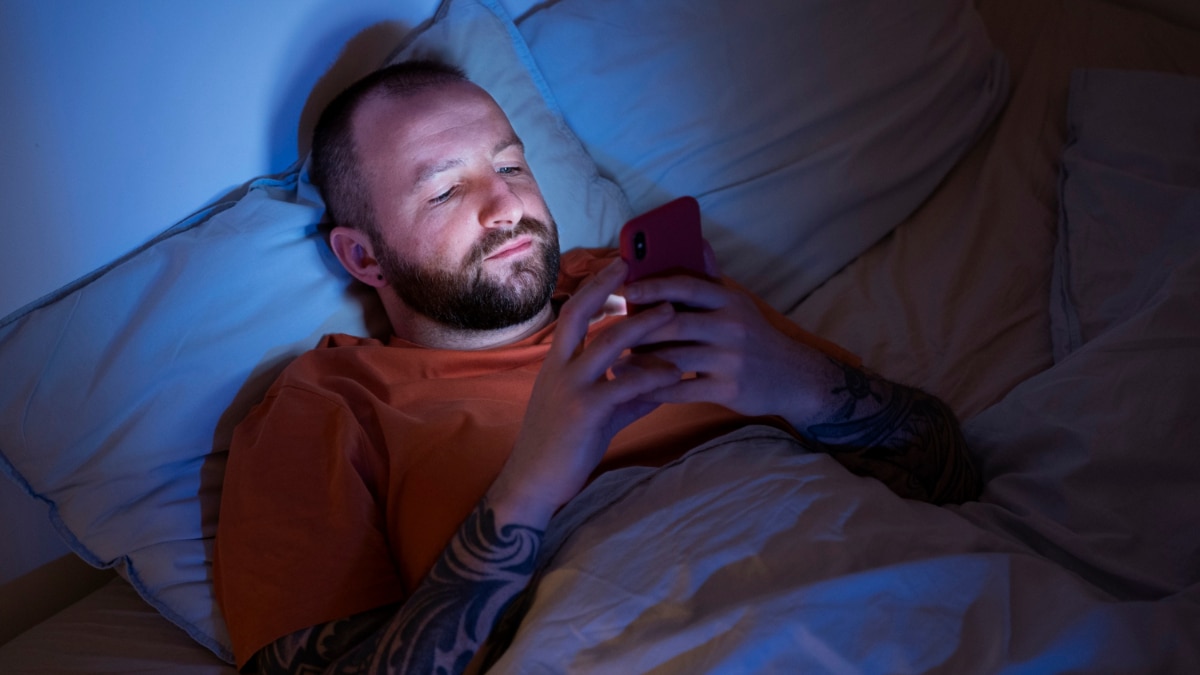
[(905, 437), (440, 627)]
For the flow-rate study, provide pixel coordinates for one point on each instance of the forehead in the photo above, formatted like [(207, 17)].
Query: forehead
[(427, 125)]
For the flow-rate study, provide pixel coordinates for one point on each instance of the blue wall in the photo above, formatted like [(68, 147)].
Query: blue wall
[(121, 117)]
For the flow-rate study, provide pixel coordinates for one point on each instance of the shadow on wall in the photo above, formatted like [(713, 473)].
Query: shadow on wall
[(353, 51)]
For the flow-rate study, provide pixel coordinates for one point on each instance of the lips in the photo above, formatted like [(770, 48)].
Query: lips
[(514, 247)]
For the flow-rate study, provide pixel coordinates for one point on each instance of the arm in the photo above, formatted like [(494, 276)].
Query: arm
[(440, 627), (573, 413), (905, 437)]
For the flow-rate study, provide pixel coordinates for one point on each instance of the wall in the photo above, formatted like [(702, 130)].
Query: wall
[(122, 117)]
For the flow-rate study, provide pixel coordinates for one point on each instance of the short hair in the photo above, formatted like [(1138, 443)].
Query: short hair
[(335, 168)]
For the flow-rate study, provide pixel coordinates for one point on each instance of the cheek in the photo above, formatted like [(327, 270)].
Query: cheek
[(535, 204), (433, 243)]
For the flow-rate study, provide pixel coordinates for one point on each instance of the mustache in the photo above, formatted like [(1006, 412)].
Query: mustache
[(492, 240)]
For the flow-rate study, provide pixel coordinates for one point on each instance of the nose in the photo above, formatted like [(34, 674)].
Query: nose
[(504, 208)]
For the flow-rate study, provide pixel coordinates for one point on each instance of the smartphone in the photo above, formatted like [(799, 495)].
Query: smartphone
[(664, 241)]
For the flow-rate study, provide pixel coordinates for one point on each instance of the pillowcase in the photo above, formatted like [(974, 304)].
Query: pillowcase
[(807, 129), (120, 393), (1129, 197)]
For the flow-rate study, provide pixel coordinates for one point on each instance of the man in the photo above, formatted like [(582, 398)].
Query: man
[(386, 501)]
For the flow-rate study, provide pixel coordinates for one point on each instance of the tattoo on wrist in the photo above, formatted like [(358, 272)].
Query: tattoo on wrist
[(907, 438), (858, 387)]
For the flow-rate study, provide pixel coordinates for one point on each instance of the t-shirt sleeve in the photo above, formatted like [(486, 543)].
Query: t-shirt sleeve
[(297, 512)]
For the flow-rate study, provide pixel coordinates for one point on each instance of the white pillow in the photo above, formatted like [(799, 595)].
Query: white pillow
[(120, 393), (808, 129)]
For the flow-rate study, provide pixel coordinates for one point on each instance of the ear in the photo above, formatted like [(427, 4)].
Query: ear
[(353, 249)]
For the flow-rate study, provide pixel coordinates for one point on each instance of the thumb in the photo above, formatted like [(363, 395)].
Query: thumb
[(710, 261)]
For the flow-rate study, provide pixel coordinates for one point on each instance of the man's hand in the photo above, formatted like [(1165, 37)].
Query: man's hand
[(576, 406), (740, 360), (902, 436)]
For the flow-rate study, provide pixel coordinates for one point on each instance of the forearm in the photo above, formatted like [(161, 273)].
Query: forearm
[(441, 625), (900, 435)]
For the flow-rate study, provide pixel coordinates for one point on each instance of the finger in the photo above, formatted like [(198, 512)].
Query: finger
[(629, 362), (694, 390), (692, 358), (691, 291), (704, 327), (637, 381), (710, 261), (576, 313), (603, 350)]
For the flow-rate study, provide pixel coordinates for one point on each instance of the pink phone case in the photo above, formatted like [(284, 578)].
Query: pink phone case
[(664, 241)]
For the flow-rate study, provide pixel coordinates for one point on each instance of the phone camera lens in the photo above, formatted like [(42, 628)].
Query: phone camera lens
[(639, 245)]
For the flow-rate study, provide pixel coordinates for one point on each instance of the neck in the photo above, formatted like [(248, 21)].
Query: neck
[(419, 329)]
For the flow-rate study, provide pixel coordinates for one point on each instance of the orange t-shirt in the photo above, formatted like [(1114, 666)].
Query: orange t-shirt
[(347, 481)]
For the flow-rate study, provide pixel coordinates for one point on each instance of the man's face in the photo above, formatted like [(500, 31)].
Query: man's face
[(465, 237)]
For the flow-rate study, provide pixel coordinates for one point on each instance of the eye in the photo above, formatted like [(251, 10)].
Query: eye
[(442, 197), (509, 170)]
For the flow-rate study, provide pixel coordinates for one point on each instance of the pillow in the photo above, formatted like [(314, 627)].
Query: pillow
[(807, 129), (120, 392), (1129, 197)]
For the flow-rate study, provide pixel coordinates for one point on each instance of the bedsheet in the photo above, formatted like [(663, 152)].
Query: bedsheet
[(751, 555)]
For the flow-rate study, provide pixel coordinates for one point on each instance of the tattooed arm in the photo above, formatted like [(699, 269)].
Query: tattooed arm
[(900, 435), (440, 627), (903, 436)]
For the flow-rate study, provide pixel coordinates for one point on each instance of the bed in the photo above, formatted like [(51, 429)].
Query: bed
[(997, 201)]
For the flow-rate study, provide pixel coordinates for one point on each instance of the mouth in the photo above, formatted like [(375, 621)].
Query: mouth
[(513, 248)]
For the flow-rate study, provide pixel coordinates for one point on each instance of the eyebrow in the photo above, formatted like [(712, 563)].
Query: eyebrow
[(431, 171), (508, 143)]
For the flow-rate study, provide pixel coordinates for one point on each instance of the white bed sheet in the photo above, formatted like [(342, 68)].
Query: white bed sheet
[(751, 555)]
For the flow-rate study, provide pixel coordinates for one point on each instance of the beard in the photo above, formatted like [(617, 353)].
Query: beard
[(467, 298)]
